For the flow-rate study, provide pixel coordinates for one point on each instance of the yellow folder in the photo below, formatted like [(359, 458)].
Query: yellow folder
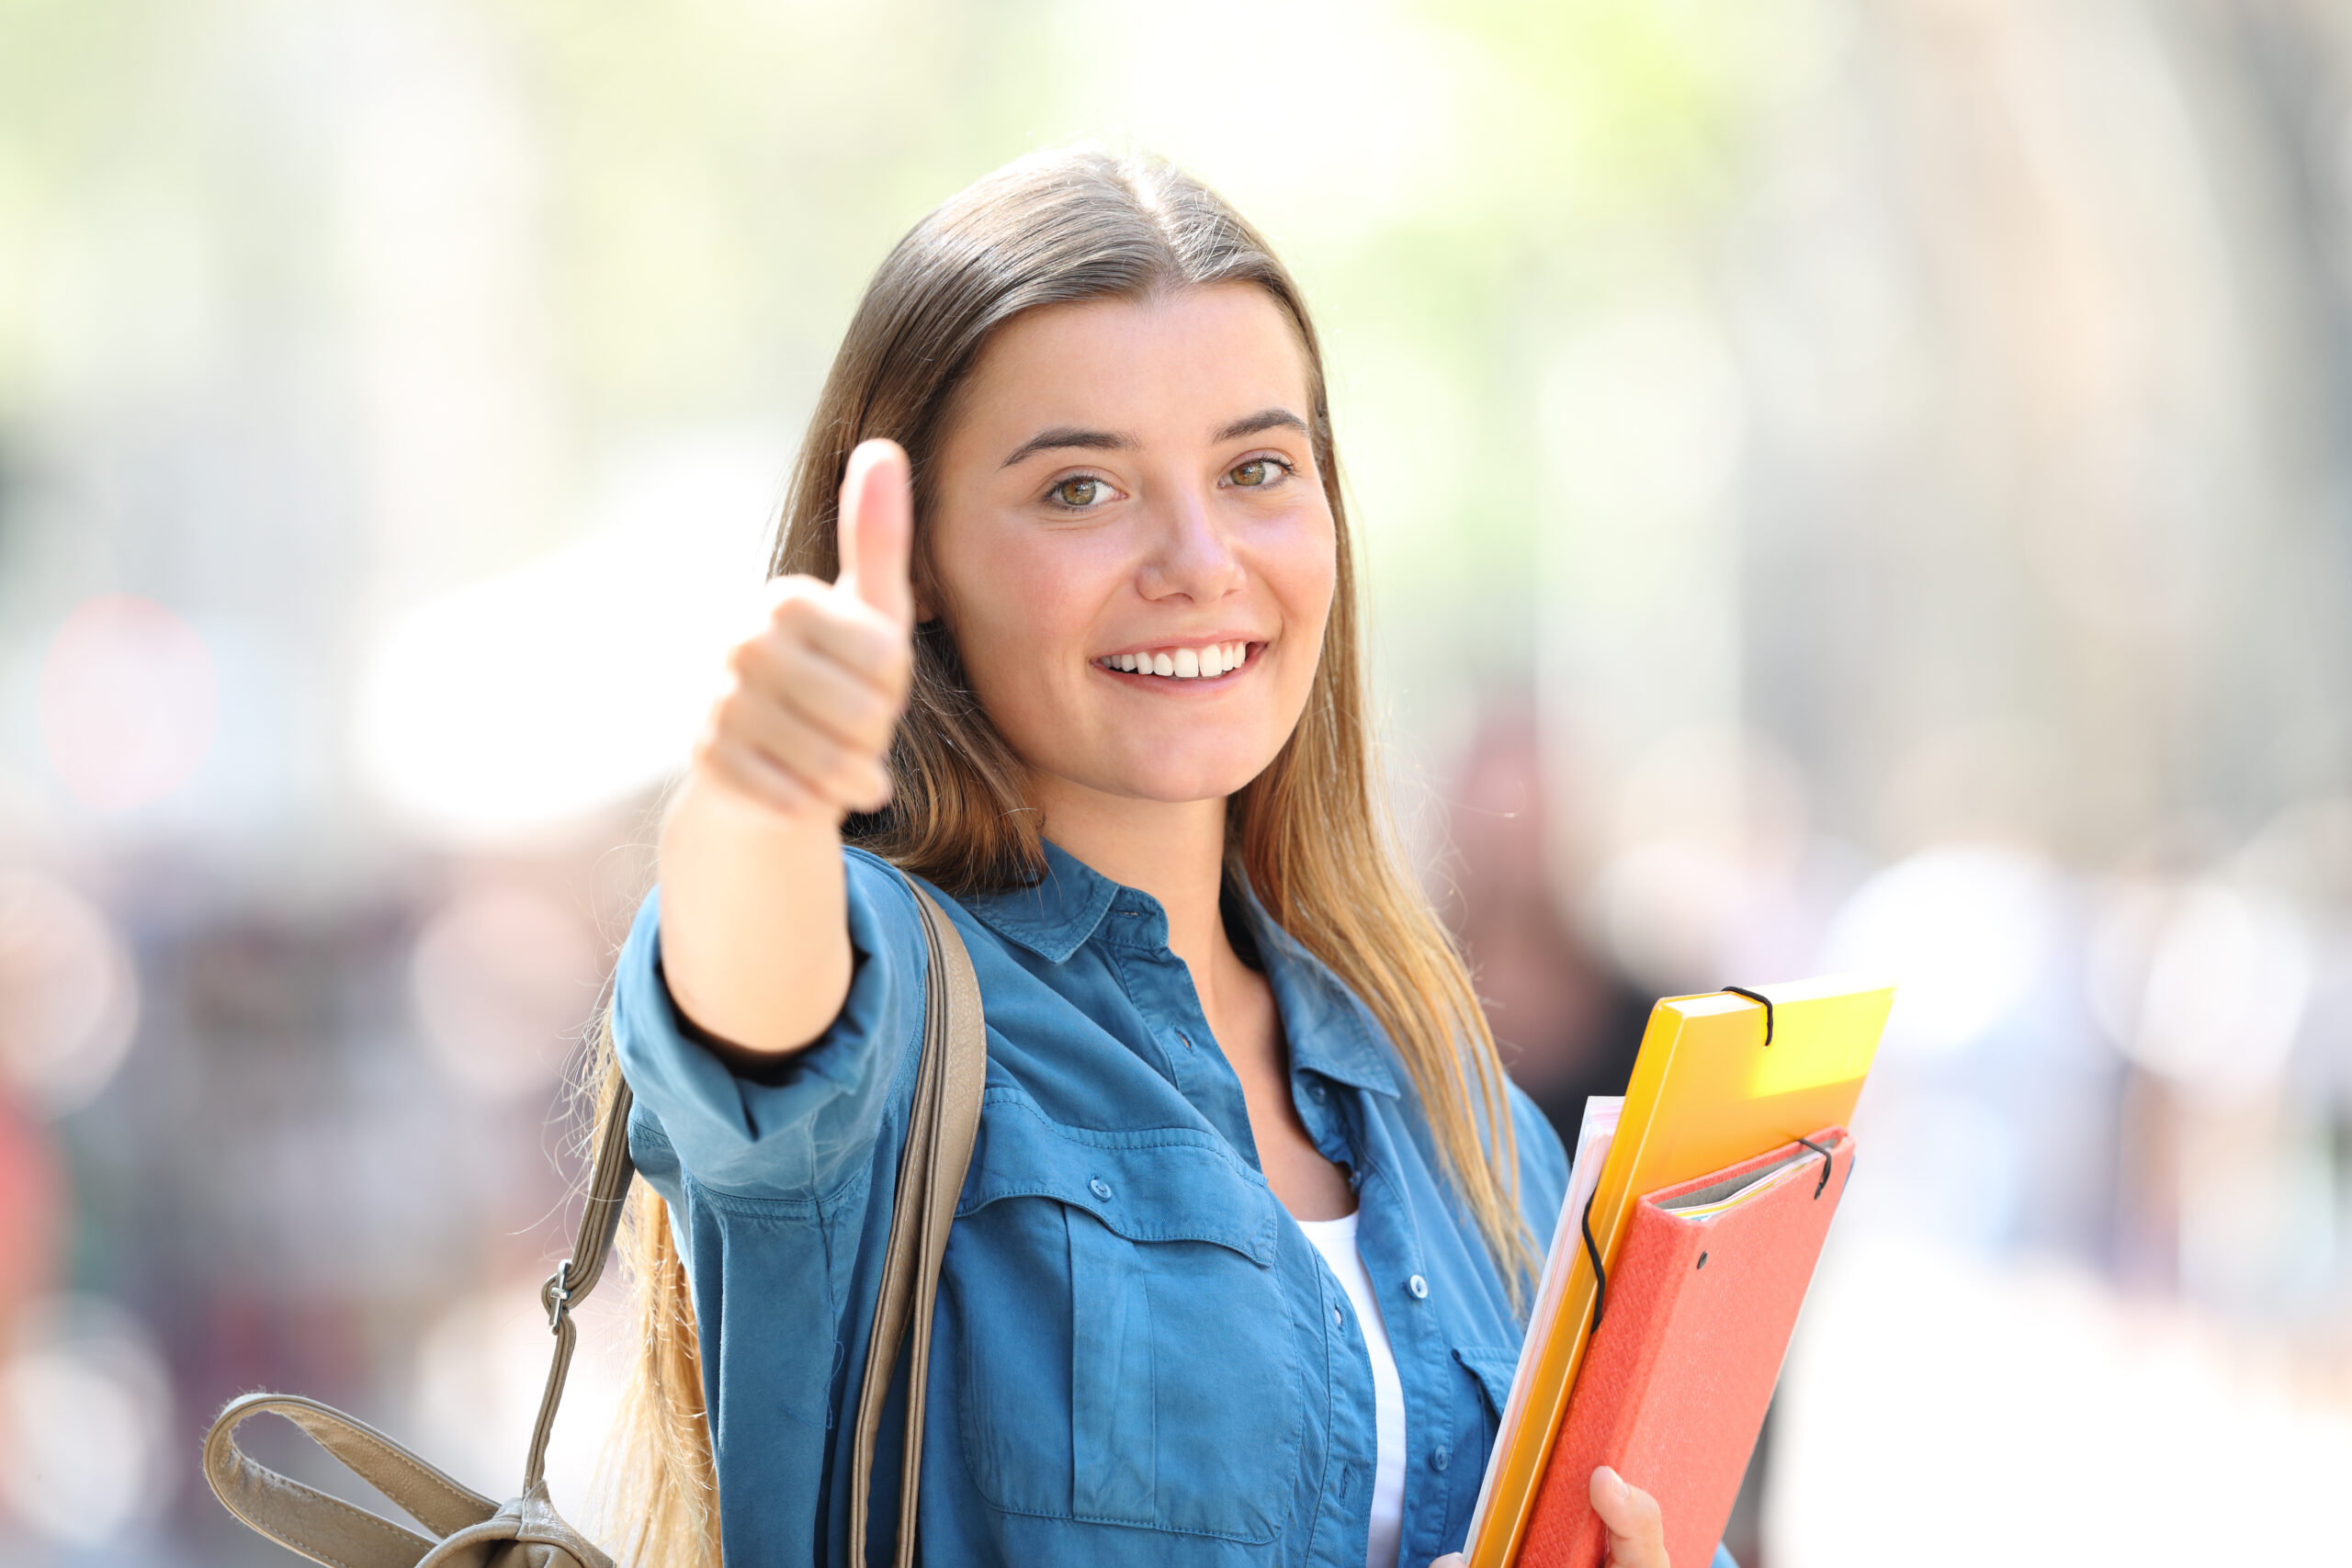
[(1707, 1091)]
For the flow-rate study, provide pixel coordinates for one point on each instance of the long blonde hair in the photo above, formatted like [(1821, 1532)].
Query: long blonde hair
[(1311, 833)]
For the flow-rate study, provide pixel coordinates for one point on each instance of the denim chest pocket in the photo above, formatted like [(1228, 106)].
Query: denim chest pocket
[(1128, 1355)]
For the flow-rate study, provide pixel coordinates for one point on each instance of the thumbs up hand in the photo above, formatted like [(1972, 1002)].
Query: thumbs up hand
[(813, 694)]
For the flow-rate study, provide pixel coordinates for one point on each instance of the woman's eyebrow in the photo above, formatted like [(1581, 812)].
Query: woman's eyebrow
[(1068, 435), (1063, 438), (1264, 419)]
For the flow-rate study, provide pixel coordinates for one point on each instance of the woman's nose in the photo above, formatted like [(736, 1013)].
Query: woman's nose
[(1191, 556)]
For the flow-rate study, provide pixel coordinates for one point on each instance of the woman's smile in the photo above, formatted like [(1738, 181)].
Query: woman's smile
[(1198, 663)]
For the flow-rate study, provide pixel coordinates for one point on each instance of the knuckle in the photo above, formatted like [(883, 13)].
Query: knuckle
[(869, 713), (887, 693), (877, 644), (796, 613), (816, 756)]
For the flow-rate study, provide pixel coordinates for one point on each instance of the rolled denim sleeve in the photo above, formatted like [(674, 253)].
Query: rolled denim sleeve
[(802, 1130)]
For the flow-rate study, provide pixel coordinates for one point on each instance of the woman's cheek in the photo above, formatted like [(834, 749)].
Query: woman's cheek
[(1303, 573)]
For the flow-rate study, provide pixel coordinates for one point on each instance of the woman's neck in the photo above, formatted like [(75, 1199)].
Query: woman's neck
[(1173, 850)]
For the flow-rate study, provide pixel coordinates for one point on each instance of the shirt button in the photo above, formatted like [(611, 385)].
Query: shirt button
[(1339, 1319), (1441, 1458), (1099, 1188), (1318, 1092), (1420, 1287)]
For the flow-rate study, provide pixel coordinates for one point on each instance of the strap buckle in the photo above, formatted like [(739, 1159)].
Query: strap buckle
[(556, 1296)]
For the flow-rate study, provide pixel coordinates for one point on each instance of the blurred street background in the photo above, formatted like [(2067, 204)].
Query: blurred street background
[(1848, 484)]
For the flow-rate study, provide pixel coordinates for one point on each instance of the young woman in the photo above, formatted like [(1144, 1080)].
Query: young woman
[(1237, 1273)]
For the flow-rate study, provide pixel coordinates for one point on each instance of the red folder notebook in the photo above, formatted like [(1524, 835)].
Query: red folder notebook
[(1695, 1318)]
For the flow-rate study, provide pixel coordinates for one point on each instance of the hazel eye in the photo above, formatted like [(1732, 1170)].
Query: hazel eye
[(1080, 491), (1259, 473)]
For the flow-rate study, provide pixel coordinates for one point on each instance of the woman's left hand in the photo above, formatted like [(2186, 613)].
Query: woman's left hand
[(1637, 1531)]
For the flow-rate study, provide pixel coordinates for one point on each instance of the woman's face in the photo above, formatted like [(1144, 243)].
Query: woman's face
[(1132, 541)]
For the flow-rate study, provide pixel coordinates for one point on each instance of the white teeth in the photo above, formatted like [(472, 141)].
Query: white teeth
[(1184, 663)]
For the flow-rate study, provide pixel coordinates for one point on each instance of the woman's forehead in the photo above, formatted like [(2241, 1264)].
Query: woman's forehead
[(1173, 366)]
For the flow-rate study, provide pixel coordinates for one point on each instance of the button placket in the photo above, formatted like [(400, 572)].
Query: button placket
[(1162, 993)]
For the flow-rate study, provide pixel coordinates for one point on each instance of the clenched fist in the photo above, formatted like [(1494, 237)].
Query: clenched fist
[(812, 695)]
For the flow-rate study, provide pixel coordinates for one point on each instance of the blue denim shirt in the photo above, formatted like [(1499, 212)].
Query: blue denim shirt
[(1139, 1358)]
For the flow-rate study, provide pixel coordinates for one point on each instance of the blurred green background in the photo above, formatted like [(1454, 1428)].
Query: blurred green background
[(1845, 486)]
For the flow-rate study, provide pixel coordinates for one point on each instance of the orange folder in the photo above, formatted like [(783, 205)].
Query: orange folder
[(1696, 1318), (1721, 1079)]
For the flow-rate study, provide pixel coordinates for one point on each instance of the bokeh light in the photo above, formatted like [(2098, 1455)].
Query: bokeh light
[(87, 1433), (2203, 984), (128, 702), (69, 995), (1967, 930)]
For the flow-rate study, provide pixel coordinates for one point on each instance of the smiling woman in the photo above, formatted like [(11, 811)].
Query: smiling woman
[(1064, 628)]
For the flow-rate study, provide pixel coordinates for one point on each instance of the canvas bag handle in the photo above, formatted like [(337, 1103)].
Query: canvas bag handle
[(943, 1124)]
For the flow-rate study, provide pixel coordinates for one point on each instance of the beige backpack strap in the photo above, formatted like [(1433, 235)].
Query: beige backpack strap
[(600, 1221), (940, 1128), (328, 1530)]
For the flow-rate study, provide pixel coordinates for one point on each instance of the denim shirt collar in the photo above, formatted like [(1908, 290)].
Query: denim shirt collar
[(1330, 1032)]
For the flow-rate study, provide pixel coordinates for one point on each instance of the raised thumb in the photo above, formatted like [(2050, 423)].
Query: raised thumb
[(878, 524)]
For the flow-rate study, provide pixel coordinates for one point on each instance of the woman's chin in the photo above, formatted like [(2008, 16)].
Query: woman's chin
[(1171, 780)]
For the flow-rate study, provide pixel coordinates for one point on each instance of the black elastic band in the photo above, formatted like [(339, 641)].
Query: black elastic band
[(1816, 1148), (1600, 1276), (1756, 996)]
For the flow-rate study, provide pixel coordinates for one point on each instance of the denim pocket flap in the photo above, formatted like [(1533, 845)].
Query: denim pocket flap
[(1494, 1369), (1148, 1184)]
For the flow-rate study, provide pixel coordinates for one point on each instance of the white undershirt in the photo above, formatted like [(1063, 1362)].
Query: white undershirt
[(1336, 1240)]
